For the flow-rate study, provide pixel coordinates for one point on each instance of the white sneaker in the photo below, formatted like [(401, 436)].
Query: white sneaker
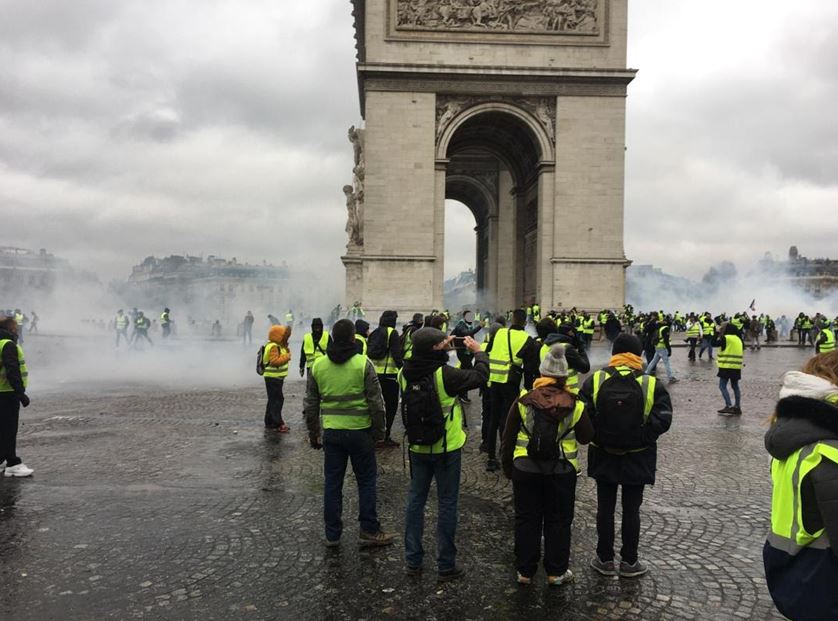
[(560, 580), (21, 470)]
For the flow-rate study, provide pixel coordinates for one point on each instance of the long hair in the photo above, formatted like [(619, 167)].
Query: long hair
[(824, 366)]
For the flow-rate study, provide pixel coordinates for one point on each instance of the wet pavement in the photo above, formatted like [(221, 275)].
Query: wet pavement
[(155, 503)]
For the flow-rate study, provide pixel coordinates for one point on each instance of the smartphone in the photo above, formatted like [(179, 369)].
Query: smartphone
[(459, 342)]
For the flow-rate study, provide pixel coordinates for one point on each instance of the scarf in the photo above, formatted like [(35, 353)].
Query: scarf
[(632, 361), (541, 382), (798, 384)]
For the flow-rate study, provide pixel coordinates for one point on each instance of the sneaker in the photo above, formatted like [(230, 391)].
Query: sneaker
[(726, 410), (21, 470), (522, 579), (283, 428), (450, 574), (736, 411), (413, 571), (673, 380), (606, 568), (635, 570), (484, 448), (492, 465), (375, 539), (331, 544), (565, 578)]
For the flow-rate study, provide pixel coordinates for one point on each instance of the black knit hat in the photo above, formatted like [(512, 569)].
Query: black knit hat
[(425, 339), (627, 344)]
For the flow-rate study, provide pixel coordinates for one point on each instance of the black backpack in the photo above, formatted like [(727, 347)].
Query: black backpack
[(544, 437), (422, 416), (260, 361), (377, 344), (619, 412)]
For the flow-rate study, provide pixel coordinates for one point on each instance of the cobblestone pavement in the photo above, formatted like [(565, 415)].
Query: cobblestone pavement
[(154, 503)]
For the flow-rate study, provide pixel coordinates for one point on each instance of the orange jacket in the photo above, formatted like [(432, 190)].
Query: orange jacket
[(282, 354)]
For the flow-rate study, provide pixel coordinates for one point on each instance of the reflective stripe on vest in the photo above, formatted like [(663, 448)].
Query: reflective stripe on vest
[(829, 344), (386, 365), (5, 386), (568, 446), (407, 352), (363, 343), (122, 322), (500, 358), (280, 371), (788, 533), (694, 331), (572, 382), (661, 344), (452, 409), (313, 353), (731, 355), (343, 402)]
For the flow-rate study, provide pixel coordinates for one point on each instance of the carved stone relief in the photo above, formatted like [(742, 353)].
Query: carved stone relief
[(542, 108), (524, 16), (355, 193)]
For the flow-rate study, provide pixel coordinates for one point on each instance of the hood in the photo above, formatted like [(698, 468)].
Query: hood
[(5, 334), (388, 319), (554, 338), (362, 327), (279, 335), (555, 402), (422, 365), (800, 421), (341, 352)]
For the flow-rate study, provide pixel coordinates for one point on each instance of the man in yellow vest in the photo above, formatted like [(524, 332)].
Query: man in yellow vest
[(166, 323), (362, 333), (14, 379), (21, 320), (436, 437), (314, 345), (344, 413), (275, 360), (731, 361), (385, 351), (801, 553), (826, 340), (407, 335), (512, 354), (121, 323)]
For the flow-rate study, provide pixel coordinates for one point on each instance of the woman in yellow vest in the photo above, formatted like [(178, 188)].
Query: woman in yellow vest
[(800, 555), (13, 382), (730, 360), (540, 454), (276, 359)]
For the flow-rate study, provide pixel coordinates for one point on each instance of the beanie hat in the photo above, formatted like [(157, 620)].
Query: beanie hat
[(425, 339), (418, 318), (316, 323), (554, 363), (361, 327), (627, 344)]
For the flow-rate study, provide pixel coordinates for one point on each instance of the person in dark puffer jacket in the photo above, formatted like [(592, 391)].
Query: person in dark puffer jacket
[(801, 565)]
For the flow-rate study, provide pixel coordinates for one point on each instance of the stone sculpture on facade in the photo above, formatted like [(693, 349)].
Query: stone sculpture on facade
[(534, 16), (542, 108), (355, 193)]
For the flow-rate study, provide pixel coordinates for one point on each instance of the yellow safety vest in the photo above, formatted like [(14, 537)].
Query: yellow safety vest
[(501, 359), (19, 319), (829, 344), (280, 371), (661, 344), (363, 343), (788, 532), (312, 351), (732, 355), (709, 327), (407, 351), (5, 386), (122, 322), (452, 410), (343, 401), (386, 365), (164, 318), (572, 383), (694, 331), (568, 446)]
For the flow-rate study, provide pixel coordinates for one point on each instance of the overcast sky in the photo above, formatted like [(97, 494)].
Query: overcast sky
[(130, 128)]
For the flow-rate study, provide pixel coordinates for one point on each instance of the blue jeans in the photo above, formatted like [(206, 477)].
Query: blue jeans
[(726, 395), (660, 354), (340, 446), (445, 468), (706, 345)]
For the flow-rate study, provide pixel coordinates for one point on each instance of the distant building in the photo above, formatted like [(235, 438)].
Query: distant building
[(819, 277), (211, 288), (26, 275)]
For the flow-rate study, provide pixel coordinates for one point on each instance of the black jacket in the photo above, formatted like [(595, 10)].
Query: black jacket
[(11, 364), (803, 585), (577, 358), (636, 468), (454, 380)]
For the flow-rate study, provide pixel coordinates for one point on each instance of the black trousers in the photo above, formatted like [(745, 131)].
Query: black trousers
[(692, 342), (273, 411), (9, 418), (544, 504), (606, 495), (390, 392), (502, 396)]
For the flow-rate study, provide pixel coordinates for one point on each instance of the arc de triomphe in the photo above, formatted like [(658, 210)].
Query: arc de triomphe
[(516, 109)]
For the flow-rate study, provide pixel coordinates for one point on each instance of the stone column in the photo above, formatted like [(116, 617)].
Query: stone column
[(439, 234), (545, 250), (506, 242)]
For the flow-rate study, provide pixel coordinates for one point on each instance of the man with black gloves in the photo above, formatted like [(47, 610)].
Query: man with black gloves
[(513, 356), (577, 357), (465, 327), (13, 381), (385, 351)]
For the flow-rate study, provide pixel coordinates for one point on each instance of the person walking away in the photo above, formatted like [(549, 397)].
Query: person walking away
[(343, 392), (141, 326), (708, 331), (433, 419), (695, 334), (384, 349), (539, 454), (465, 327), (730, 363), (247, 329), (275, 359), (613, 328), (512, 354), (33, 327), (314, 345), (663, 351), (362, 333), (755, 332), (629, 412), (14, 378), (165, 323), (407, 335), (800, 555), (826, 339), (21, 320), (120, 323)]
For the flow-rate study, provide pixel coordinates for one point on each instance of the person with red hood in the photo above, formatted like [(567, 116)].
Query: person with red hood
[(276, 358), (539, 453)]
